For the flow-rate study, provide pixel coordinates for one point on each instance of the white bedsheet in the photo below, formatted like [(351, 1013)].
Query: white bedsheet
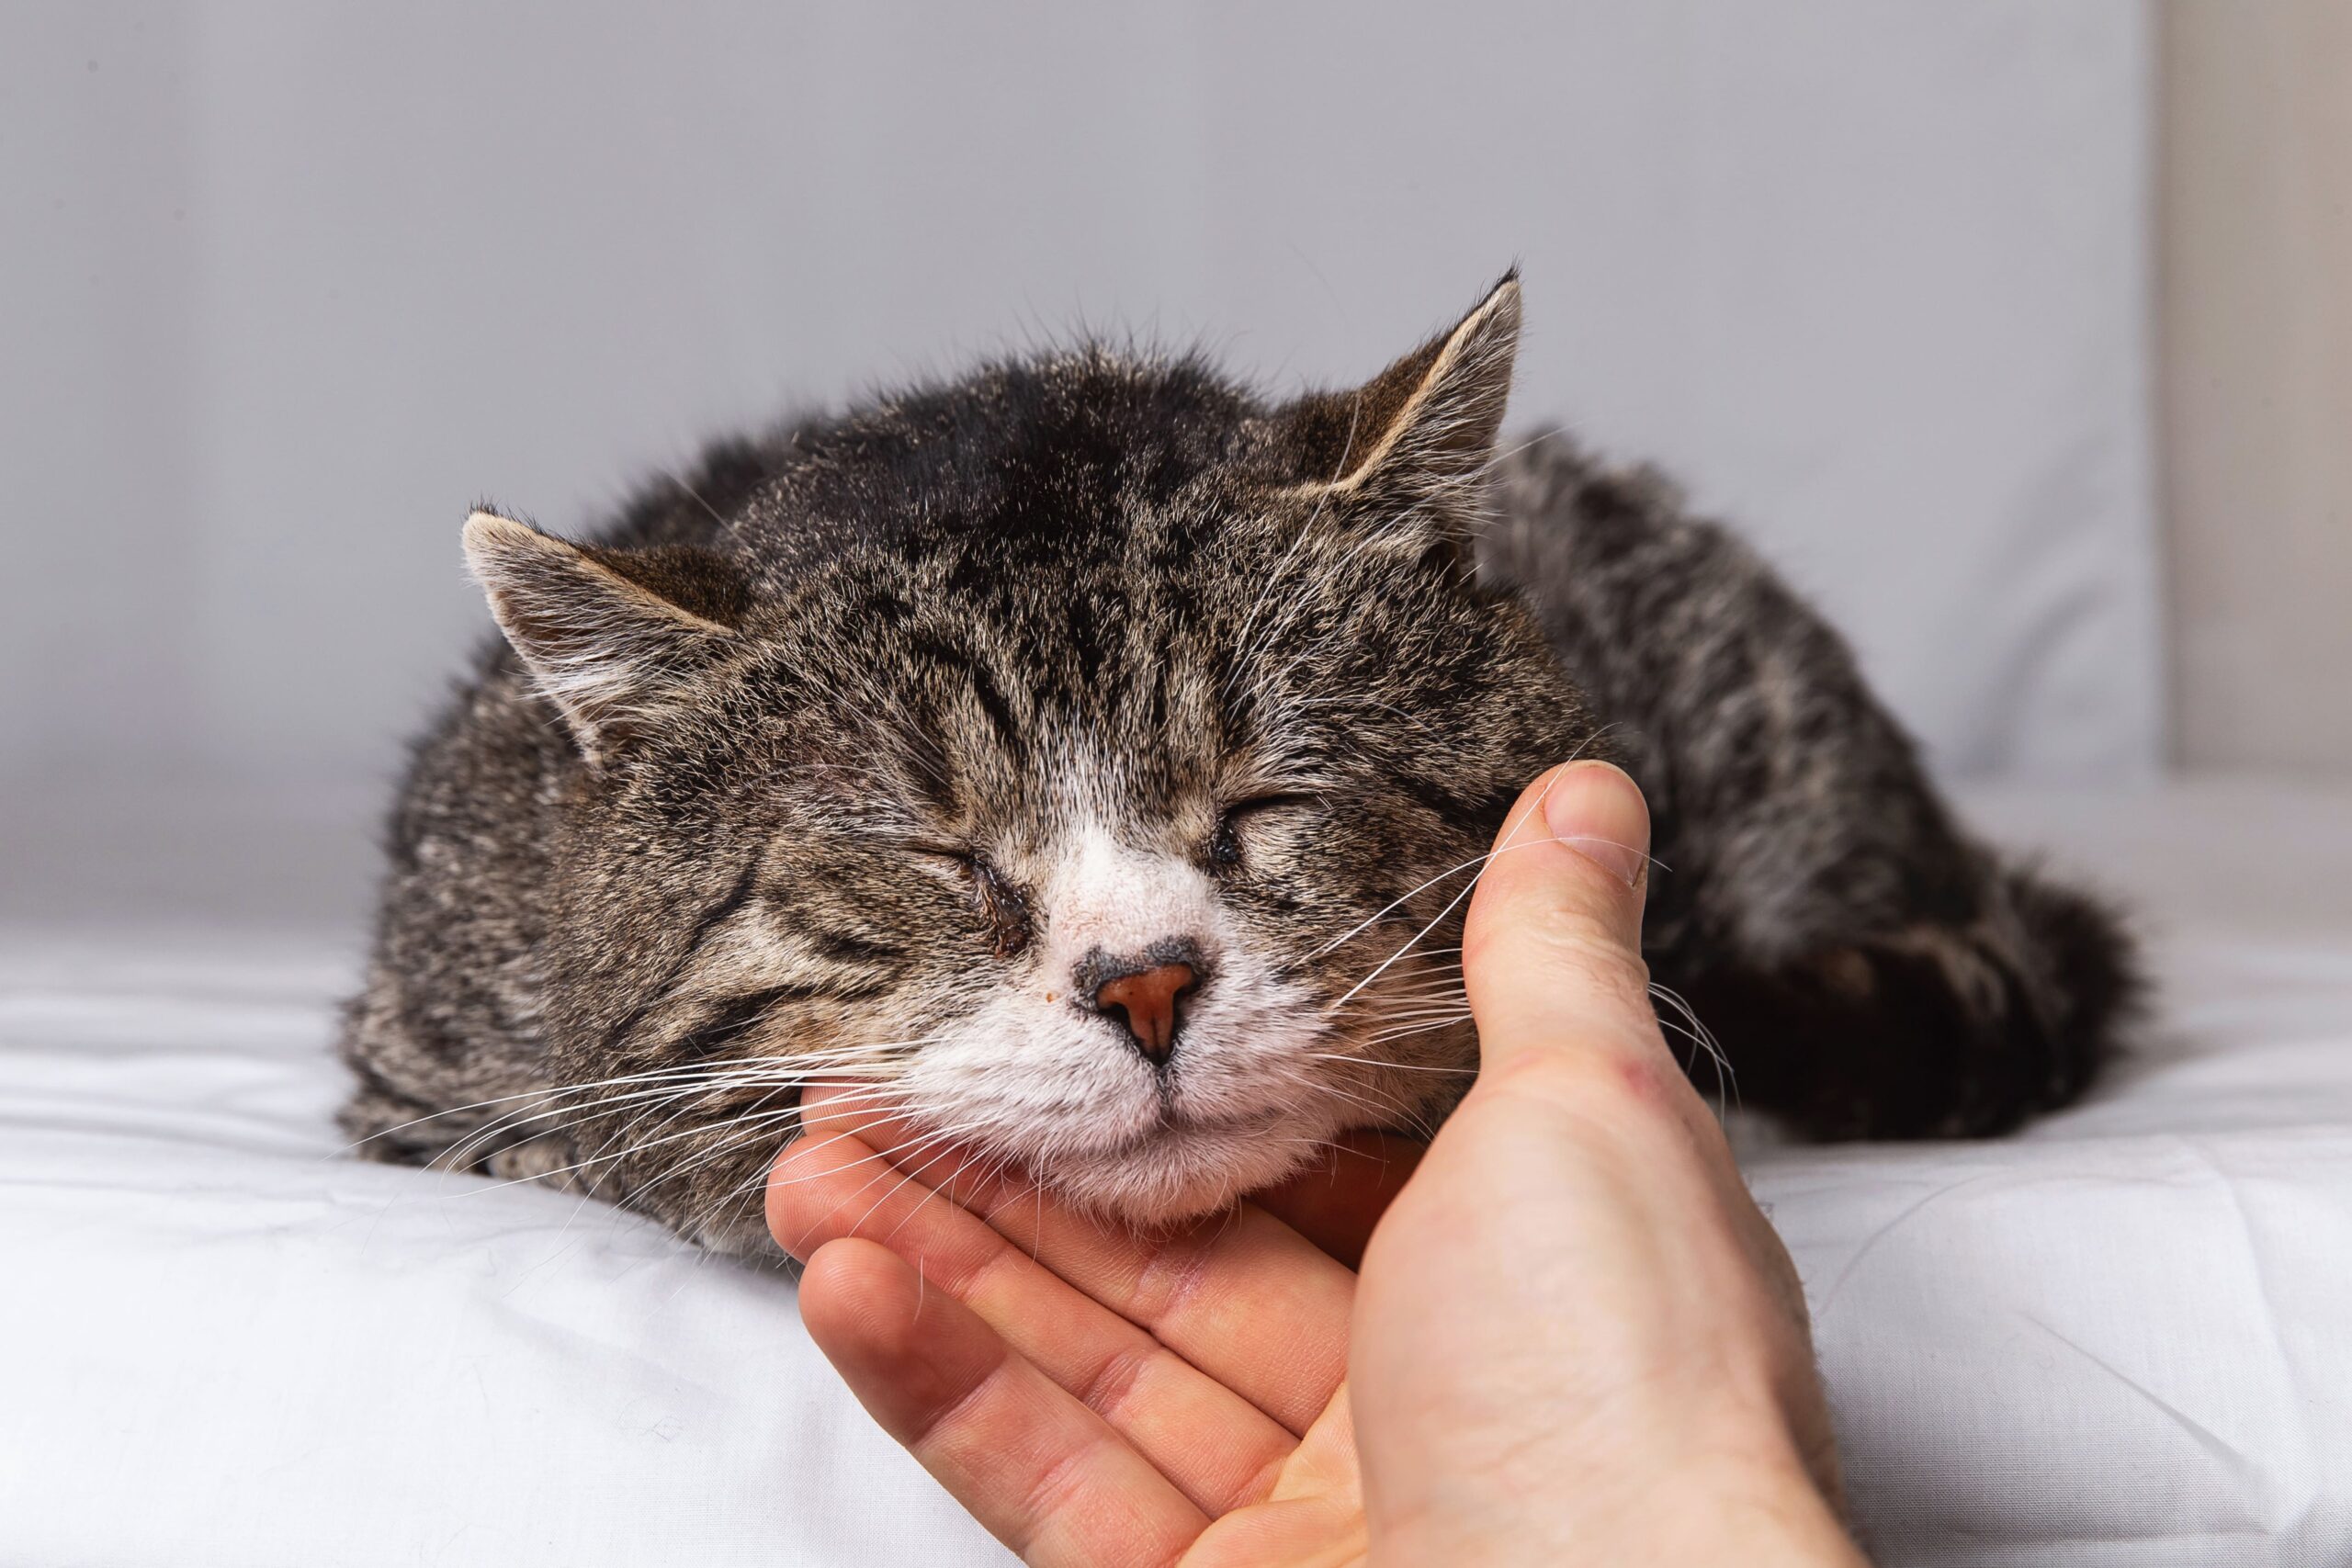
[(2117, 1338)]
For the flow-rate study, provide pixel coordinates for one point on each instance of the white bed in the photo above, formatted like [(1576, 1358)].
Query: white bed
[(2114, 1339)]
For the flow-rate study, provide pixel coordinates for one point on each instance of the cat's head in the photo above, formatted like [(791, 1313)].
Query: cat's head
[(1093, 754)]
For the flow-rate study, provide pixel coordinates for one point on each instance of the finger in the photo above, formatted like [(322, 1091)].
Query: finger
[(1218, 1450), (1043, 1473), (1241, 1295), (1336, 1201), (1552, 947)]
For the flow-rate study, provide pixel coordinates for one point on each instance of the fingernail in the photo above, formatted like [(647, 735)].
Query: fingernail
[(1597, 810)]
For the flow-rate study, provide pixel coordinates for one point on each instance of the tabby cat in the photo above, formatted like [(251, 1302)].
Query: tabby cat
[(1098, 757)]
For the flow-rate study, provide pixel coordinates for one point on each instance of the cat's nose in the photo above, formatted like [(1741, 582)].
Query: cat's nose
[(1149, 999), (1149, 995)]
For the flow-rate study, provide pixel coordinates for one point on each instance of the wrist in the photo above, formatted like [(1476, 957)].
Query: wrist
[(1776, 1519), (1693, 1515)]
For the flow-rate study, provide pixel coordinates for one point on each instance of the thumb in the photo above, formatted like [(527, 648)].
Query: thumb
[(1552, 948)]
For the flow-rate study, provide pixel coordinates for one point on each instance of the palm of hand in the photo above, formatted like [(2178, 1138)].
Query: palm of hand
[(1095, 1396)]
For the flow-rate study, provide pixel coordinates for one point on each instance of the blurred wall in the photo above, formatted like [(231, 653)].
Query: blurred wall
[(285, 287), (2257, 383)]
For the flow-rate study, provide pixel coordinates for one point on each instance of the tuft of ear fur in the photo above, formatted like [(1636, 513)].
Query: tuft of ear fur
[(1417, 438), (602, 632)]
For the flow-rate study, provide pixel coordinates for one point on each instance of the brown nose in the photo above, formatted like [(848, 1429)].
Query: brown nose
[(1148, 998)]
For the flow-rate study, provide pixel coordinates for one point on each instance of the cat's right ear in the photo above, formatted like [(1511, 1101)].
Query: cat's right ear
[(1406, 451), (603, 633)]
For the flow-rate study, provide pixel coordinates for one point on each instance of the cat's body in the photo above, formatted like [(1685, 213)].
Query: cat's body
[(892, 747)]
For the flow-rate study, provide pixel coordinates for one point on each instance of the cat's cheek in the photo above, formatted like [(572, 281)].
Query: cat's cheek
[(1251, 1048)]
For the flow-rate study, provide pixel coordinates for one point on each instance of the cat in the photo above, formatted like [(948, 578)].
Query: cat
[(1098, 757)]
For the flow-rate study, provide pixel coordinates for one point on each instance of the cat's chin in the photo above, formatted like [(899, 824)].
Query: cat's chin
[(1177, 1175)]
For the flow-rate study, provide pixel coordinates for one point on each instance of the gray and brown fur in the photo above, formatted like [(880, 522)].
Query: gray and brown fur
[(828, 759)]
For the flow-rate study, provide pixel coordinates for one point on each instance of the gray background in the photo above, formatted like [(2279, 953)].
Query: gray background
[(287, 287)]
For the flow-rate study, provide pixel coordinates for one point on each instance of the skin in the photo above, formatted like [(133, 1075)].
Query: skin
[(1562, 1332)]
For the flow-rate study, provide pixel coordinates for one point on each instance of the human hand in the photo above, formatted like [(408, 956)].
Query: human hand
[(1574, 1333), (1093, 1396), (1576, 1337)]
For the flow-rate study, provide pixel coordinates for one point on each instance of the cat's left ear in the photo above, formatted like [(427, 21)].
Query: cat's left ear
[(606, 634), (1417, 438)]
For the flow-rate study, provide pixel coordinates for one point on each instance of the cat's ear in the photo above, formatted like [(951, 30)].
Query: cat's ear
[(603, 633), (1422, 432)]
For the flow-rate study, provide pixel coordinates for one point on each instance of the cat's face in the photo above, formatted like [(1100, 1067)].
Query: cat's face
[(1112, 806)]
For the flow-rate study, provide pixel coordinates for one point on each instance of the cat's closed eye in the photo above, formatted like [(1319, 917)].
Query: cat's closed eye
[(994, 894), (1007, 910), (1227, 844)]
